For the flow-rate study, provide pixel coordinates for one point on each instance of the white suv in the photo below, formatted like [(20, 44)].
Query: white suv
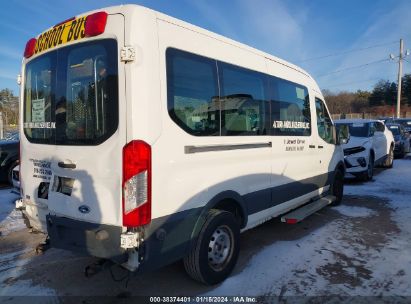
[(370, 144)]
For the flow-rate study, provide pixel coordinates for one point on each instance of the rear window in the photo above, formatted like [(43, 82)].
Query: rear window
[(71, 95), (395, 130)]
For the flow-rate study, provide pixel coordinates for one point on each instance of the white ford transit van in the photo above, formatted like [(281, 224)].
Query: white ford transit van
[(146, 140)]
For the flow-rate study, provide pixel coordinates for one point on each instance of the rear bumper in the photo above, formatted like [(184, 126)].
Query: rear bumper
[(97, 240)]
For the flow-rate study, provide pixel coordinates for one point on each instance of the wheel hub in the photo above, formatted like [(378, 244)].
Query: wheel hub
[(219, 247)]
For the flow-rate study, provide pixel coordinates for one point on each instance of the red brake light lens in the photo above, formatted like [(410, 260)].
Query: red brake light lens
[(95, 24), (30, 46), (136, 184)]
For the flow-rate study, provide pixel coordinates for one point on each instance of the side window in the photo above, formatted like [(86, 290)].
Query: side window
[(324, 122), (193, 93), (243, 103), (380, 127), (290, 108), (402, 131), (372, 129)]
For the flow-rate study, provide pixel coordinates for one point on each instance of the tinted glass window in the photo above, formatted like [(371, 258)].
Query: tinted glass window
[(243, 102), (395, 130), (380, 127), (71, 95), (358, 129), (39, 99), (236, 102), (193, 93), (324, 122), (290, 108)]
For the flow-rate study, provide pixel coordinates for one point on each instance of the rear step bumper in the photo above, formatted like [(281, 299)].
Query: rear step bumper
[(301, 213), (97, 240)]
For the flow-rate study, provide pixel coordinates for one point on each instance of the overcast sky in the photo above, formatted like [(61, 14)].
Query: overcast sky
[(299, 31)]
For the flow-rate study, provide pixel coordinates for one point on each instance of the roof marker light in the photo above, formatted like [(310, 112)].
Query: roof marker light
[(95, 24), (30, 46)]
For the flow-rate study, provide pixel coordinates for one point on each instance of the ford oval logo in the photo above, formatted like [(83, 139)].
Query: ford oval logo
[(84, 209)]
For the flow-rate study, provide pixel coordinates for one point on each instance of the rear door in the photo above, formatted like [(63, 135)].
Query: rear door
[(74, 128)]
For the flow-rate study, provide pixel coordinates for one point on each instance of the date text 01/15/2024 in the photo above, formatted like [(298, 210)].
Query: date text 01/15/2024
[(204, 299)]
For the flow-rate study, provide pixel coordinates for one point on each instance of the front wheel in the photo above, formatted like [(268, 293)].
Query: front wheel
[(369, 173), (215, 253), (337, 187)]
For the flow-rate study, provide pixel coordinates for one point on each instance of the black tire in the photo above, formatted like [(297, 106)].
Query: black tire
[(337, 187), (10, 171), (369, 173), (389, 161), (219, 231)]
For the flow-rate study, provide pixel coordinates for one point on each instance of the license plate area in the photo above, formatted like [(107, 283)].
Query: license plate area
[(63, 185), (128, 240)]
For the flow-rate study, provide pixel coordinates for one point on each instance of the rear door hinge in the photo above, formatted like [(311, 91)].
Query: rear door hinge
[(128, 53)]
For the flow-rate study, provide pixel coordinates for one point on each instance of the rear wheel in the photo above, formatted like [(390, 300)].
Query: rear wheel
[(215, 252), (337, 187), (390, 159)]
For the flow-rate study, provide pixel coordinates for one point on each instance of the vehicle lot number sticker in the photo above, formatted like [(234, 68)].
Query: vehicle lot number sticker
[(41, 169)]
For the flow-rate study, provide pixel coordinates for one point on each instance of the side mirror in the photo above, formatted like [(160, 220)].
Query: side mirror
[(343, 134)]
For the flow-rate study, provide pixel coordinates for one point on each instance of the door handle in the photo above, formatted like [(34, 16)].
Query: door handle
[(320, 147), (66, 166)]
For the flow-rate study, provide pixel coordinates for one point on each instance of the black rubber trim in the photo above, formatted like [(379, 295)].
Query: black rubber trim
[(214, 148)]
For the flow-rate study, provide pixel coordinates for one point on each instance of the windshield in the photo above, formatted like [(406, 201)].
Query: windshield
[(71, 95), (357, 129)]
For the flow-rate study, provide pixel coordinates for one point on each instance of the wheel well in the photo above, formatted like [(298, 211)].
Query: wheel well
[(372, 153), (233, 207), (340, 167)]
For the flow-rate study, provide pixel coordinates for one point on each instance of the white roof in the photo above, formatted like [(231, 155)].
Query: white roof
[(355, 120)]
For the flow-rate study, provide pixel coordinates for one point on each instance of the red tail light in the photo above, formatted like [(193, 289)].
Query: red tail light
[(30, 46), (95, 24), (136, 184)]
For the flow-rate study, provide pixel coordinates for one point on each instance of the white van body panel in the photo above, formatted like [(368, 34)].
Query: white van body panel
[(195, 178)]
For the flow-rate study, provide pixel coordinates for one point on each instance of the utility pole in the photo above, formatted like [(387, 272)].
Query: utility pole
[(400, 58)]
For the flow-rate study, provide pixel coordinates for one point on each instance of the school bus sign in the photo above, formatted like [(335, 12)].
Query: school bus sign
[(70, 30)]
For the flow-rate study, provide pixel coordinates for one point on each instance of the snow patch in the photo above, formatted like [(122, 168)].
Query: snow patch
[(354, 211), (10, 218), (308, 266)]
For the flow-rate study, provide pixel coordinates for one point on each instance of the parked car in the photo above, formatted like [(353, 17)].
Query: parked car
[(405, 122), (15, 176), (402, 139), (9, 157), (384, 119), (371, 144)]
